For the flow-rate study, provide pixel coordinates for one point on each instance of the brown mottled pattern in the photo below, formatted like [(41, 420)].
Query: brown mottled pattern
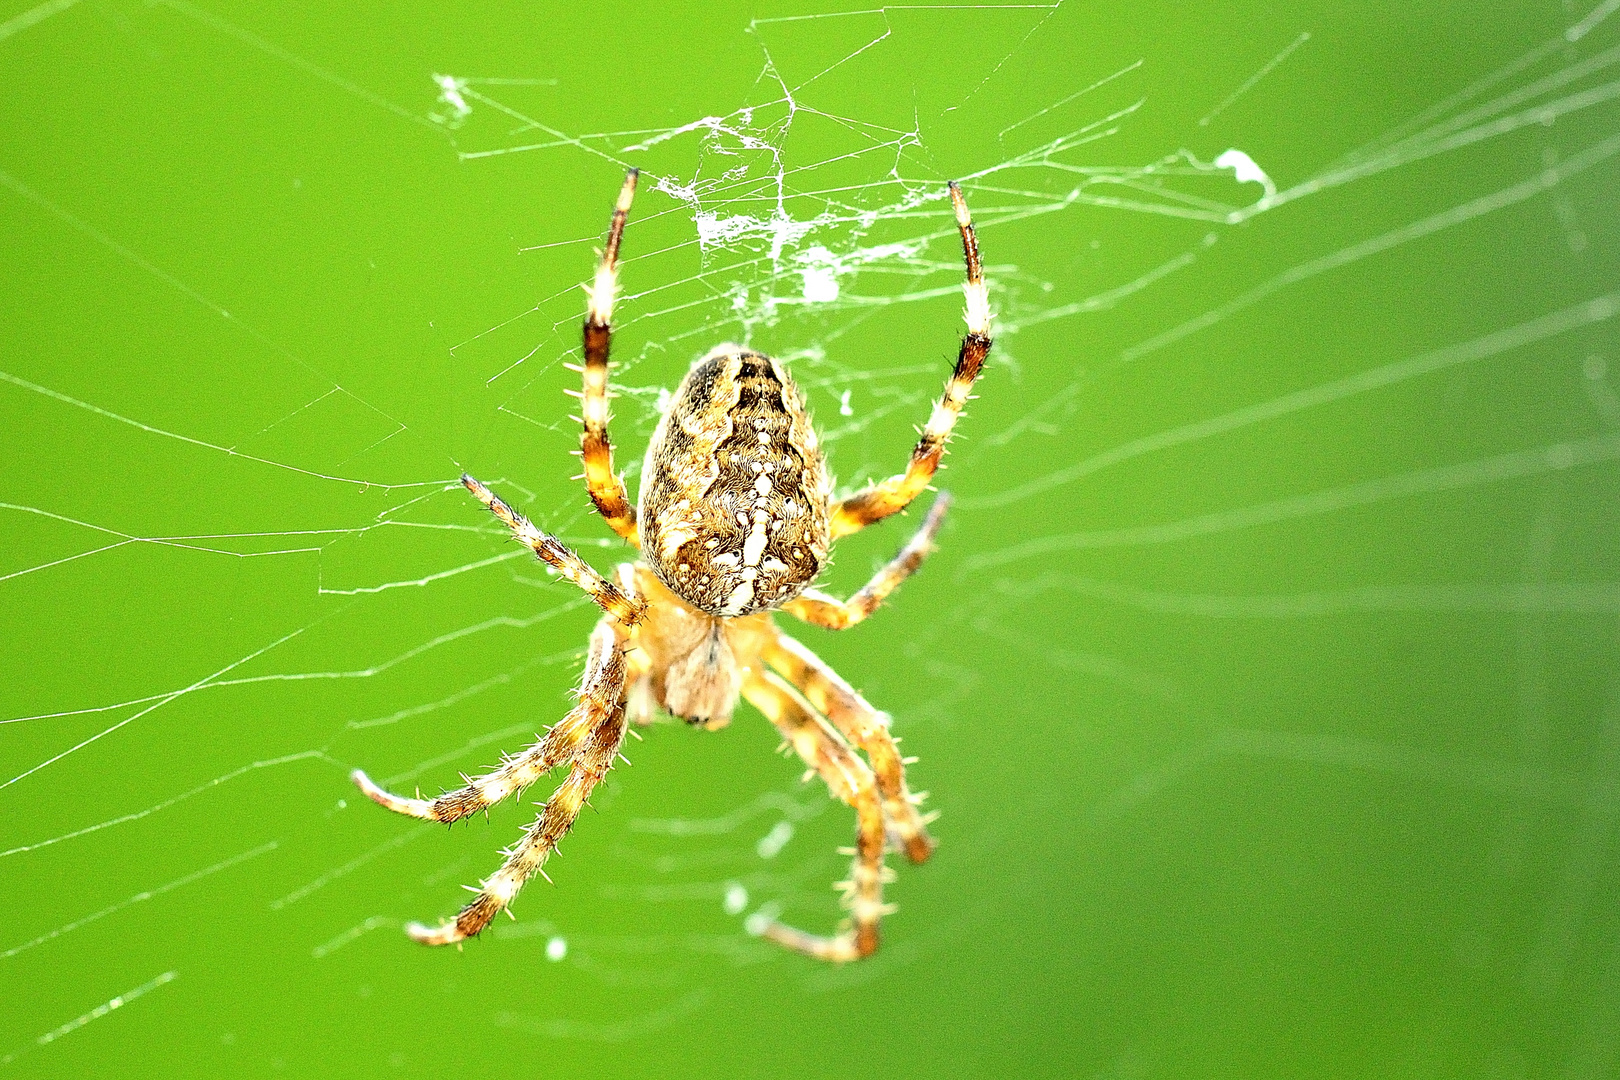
[(734, 491)]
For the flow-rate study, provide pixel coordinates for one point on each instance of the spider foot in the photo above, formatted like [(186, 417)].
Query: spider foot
[(917, 845), (447, 934), (416, 808), (840, 948), (469, 923)]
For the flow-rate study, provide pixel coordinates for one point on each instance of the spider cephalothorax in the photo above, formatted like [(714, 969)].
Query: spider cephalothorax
[(735, 521)]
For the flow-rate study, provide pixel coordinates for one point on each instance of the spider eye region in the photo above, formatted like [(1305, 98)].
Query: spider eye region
[(734, 492)]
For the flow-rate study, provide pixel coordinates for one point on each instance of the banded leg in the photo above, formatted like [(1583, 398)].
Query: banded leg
[(598, 695), (850, 781), (862, 725), (892, 495), (557, 555), (604, 486), (591, 763), (819, 609)]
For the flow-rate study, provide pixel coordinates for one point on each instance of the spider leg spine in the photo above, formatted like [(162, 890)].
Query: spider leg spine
[(539, 841), (604, 670)]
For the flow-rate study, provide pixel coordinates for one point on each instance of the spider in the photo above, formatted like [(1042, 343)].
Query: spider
[(735, 521)]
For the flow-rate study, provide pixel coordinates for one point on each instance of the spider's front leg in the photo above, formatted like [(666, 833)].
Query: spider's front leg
[(605, 487), (851, 782), (894, 494)]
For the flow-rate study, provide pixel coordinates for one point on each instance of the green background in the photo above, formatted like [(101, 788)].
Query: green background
[(1265, 678)]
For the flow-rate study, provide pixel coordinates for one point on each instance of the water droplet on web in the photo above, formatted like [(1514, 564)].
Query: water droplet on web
[(756, 924), (1244, 169), (771, 844), (820, 285), (736, 899)]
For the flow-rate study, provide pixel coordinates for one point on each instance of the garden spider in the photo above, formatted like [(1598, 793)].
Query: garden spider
[(735, 521)]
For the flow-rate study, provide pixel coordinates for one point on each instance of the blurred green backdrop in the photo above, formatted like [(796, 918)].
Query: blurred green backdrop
[(1265, 679)]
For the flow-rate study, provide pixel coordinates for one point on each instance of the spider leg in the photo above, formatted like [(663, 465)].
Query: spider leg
[(598, 693), (557, 555), (641, 705), (819, 609), (850, 781), (863, 725), (605, 488), (892, 495), (593, 757)]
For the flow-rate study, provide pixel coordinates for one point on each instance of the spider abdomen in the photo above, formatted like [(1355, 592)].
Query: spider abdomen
[(734, 491)]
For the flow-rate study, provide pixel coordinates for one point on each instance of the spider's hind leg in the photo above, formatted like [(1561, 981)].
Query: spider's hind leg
[(864, 726), (851, 782)]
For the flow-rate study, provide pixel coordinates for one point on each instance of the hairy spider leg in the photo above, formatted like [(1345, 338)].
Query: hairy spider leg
[(605, 487), (862, 725), (892, 495), (605, 673), (851, 782), (819, 609), (557, 555), (592, 759)]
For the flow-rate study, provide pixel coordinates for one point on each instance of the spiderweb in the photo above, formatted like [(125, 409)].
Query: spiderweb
[(338, 601)]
